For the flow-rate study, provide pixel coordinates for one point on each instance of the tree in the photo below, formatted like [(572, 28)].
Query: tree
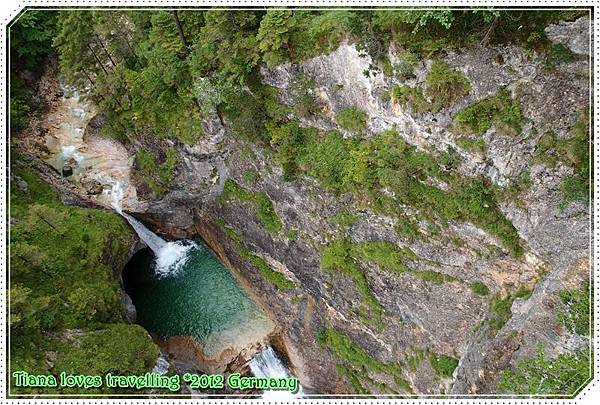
[(274, 36), (180, 31), (31, 36), (77, 58)]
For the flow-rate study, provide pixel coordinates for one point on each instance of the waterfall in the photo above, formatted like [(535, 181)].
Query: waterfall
[(170, 256), (154, 242), (267, 364)]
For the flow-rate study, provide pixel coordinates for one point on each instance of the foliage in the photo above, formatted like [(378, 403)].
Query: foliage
[(443, 365), (287, 140), (344, 219), (472, 145), (577, 152), (479, 288), (499, 111), (559, 54), (412, 97), (445, 85), (157, 175), (272, 276), (261, 201), (357, 359), (564, 375), (576, 317), (351, 119), (124, 346), (31, 37), (30, 43), (63, 262), (337, 257)]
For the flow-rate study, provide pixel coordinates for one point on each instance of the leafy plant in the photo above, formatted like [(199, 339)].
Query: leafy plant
[(351, 119)]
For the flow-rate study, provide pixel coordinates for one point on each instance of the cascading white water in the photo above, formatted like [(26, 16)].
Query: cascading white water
[(170, 256), (267, 364)]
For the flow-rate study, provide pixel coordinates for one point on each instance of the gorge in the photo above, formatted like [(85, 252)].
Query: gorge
[(382, 215)]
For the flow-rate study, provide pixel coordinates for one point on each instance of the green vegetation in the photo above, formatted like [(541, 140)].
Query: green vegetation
[(501, 308), (499, 111), (566, 374), (434, 277), (272, 276), (358, 363), (385, 161), (472, 145), (445, 85), (577, 152), (576, 317), (337, 256), (63, 262), (351, 119), (251, 176), (559, 54), (155, 74), (479, 288), (443, 365), (344, 219), (411, 97), (30, 44), (574, 151), (158, 176), (345, 257), (261, 201)]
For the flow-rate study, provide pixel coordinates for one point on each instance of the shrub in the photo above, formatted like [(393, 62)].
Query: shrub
[(276, 278), (157, 175), (564, 375), (576, 317), (412, 97), (261, 201), (337, 256), (479, 288), (352, 119), (499, 111), (445, 85), (443, 365), (559, 54), (577, 152)]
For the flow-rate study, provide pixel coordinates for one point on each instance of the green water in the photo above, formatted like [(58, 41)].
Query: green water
[(202, 300)]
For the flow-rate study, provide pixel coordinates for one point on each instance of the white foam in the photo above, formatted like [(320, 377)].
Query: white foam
[(172, 256), (267, 364)]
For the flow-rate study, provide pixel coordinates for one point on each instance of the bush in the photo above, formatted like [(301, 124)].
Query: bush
[(337, 257), (351, 119), (412, 97), (559, 54), (564, 375), (261, 201), (499, 111), (157, 175), (443, 365), (445, 85), (479, 288), (576, 317), (272, 276)]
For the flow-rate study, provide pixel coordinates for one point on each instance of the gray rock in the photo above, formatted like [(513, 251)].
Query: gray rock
[(574, 35)]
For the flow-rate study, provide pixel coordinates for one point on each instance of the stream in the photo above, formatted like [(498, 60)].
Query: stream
[(179, 288)]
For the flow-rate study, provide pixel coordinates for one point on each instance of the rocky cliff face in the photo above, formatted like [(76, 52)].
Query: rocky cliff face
[(420, 315), (437, 309)]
